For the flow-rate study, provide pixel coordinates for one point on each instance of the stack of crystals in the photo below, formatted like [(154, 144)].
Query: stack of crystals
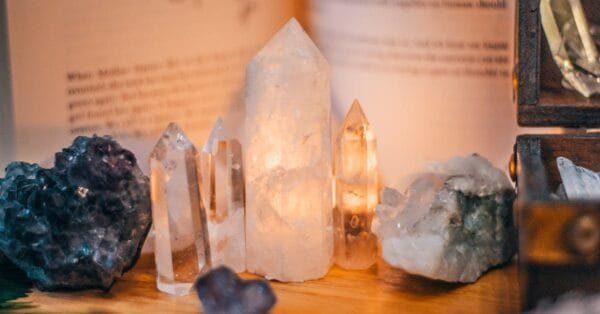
[(182, 250), (571, 43), (289, 234), (223, 187), (356, 190)]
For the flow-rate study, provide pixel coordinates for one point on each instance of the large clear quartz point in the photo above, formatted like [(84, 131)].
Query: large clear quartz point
[(356, 191), (578, 182), (223, 187), (182, 250), (571, 44), (287, 158)]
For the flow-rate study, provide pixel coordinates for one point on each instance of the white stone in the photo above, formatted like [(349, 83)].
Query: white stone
[(223, 187), (287, 156), (578, 182), (454, 223)]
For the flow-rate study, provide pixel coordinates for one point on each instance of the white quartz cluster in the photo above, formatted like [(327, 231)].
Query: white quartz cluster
[(454, 222)]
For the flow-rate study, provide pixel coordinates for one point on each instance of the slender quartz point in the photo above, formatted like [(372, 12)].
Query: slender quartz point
[(223, 186), (182, 250), (287, 159), (356, 191)]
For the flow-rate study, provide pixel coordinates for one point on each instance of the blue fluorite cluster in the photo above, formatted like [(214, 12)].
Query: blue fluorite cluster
[(80, 224), (222, 291)]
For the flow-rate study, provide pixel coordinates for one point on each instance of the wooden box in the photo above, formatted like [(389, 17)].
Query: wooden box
[(559, 241)]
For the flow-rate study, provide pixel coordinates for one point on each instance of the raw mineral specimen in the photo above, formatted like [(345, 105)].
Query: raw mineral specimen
[(287, 159), (569, 303), (454, 223), (571, 43), (221, 291), (578, 182), (182, 250), (223, 187), (79, 225), (357, 191)]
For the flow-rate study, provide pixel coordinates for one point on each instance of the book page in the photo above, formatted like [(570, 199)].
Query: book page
[(128, 68), (433, 76)]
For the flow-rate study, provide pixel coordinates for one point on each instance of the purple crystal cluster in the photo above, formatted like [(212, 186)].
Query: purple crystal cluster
[(80, 224), (222, 291)]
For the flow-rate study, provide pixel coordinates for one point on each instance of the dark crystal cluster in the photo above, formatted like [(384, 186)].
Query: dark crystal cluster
[(80, 224), (222, 291)]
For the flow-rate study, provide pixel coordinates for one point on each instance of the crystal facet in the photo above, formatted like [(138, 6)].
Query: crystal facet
[(571, 44), (356, 190), (578, 182), (454, 224), (287, 157), (223, 187), (78, 225), (182, 250), (221, 291)]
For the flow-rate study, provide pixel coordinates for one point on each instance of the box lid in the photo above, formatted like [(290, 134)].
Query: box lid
[(541, 98)]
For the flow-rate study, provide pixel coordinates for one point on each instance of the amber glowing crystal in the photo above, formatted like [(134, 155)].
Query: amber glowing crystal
[(356, 191), (223, 187), (182, 250), (287, 159)]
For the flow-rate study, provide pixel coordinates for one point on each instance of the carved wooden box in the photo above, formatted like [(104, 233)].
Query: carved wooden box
[(559, 241)]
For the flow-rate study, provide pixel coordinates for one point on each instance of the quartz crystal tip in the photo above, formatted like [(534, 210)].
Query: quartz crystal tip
[(222, 291), (182, 250), (215, 135), (578, 182)]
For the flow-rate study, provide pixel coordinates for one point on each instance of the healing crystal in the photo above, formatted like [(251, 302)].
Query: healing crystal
[(571, 44), (81, 224), (454, 224), (287, 158), (221, 291), (356, 189), (223, 187), (578, 182), (182, 250)]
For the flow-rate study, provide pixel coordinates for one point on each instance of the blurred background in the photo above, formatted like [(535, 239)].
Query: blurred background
[(433, 76)]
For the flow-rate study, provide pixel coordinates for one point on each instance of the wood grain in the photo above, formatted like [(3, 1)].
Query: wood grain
[(339, 292)]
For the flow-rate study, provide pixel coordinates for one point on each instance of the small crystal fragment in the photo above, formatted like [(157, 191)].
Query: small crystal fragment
[(287, 159), (357, 195), (222, 291), (78, 225), (454, 224), (223, 187), (182, 250), (578, 182), (571, 44)]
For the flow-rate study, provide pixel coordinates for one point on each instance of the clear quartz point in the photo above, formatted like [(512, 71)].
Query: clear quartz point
[(356, 182), (571, 44), (578, 182), (223, 187), (182, 250), (287, 159)]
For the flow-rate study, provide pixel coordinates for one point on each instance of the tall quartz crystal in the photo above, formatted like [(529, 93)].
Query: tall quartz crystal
[(182, 250), (571, 43), (223, 187), (356, 191), (287, 156)]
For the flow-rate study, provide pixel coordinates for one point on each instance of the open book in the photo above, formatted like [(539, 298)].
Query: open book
[(433, 77)]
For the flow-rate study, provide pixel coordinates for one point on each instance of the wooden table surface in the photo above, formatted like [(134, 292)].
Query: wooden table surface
[(339, 292)]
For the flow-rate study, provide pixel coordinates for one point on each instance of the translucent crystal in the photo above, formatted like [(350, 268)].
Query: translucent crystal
[(454, 223), (182, 250), (571, 44), (223, 187), (356, 191), (578, 182), (287, 159)]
